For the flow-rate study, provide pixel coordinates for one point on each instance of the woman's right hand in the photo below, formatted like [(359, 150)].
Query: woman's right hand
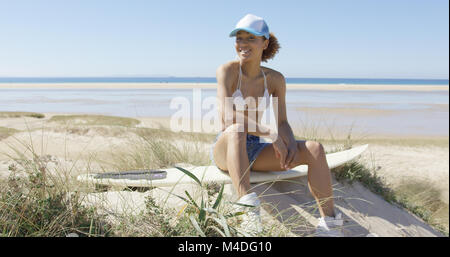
[(280, 151)]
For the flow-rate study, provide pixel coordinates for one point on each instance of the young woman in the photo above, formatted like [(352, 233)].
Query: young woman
[(238, 149)]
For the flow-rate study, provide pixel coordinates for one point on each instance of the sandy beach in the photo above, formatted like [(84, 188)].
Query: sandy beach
[(214, 85), (76, 147), (79, 145)]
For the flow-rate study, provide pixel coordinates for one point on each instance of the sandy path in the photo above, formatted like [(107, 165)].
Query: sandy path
[(399, 163)]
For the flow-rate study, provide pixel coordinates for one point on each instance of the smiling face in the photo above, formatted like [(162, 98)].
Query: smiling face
[(249, 46)]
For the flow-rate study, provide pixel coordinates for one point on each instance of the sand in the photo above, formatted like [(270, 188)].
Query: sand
[(357, 111), (75, 152)]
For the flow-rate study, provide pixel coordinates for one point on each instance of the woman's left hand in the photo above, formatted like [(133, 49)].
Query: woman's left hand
[(292, 152)]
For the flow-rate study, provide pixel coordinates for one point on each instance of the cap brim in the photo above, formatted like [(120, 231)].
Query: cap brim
[(249, 30)]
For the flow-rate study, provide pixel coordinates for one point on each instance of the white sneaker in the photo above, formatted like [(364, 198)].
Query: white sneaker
[(251, 219), (330, 226)]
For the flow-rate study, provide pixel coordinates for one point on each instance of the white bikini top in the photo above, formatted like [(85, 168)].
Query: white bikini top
[(238, 98)]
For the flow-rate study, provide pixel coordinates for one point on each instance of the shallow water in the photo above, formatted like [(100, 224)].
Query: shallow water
[(405, 112)]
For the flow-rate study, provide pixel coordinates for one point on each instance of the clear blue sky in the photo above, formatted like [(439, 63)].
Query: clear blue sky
[(335, 39)]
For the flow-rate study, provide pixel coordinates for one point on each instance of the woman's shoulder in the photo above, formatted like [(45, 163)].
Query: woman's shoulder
[(227, 74), (275, 80), (228, 67), (273, 75)]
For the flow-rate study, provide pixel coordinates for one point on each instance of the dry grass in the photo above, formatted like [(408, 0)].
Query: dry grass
[(94, 120), (42, 204), (21, 114), (418, 196), (423, 199), (6, 132), (36, 202)]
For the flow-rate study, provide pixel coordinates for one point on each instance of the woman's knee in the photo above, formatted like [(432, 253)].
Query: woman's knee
[(308, 152), (236, 134), (315, 148)]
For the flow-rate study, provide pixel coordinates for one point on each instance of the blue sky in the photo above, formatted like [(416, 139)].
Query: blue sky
[(323, 39)]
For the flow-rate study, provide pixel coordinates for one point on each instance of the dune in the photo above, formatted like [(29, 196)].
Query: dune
[(364, 211)]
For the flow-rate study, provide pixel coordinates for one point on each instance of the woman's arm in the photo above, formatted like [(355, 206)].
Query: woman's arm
[(284, 129), (223, 90)]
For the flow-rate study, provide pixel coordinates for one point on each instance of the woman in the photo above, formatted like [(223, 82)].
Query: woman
[(237, 148)]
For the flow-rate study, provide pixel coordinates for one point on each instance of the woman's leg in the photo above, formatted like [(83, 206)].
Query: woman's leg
[(319, 176), (230, 154)]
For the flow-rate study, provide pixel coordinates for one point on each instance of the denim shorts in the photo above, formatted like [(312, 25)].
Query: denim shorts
[(254, 147)]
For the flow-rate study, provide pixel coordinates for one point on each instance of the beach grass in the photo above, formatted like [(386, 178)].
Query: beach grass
[(417, 196), (21, 114), (423, 199), (6, 132), (159, 148), (94, 120), (39, 203), (36, 203), (429, 206), (165, 133), (152, 153)]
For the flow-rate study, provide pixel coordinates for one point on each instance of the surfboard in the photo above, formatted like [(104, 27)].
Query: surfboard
[(207, 174)]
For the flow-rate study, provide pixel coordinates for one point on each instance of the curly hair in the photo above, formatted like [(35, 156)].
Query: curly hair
[(272, 49)]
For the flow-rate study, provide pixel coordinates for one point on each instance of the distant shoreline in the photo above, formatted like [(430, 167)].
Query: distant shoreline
[(117, 85), (212, 80)]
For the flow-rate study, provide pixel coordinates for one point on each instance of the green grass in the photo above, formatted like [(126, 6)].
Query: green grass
[(21, 114), (354, 171)]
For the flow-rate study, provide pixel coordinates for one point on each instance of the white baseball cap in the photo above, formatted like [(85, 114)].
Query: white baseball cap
[(252, 24)]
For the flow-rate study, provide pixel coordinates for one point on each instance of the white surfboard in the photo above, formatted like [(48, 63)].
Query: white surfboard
[(210, 173)]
